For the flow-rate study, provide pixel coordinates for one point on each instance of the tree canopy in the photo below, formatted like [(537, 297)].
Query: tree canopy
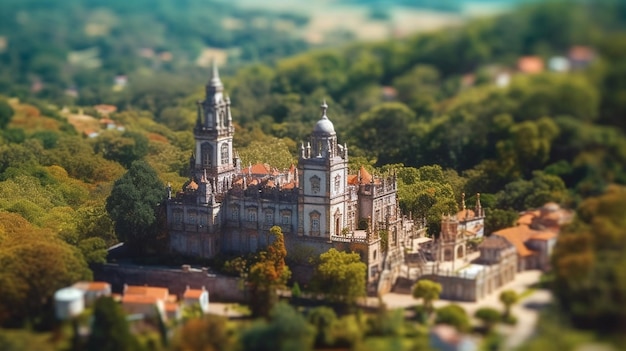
[(268, 274), (132, 205), (428, 291), (340, 276), (589, 261)]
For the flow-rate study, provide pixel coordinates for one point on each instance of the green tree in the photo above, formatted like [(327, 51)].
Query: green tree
[(488, 316), (287, 330), (589, 264), (124, 148), (508, 299), (497, 219), (428, 291), (6, 113), (132, 205), (453, 315), (323, 319), (110, 330), (385, 131), (35, 264), (340, 276), (268, 274)]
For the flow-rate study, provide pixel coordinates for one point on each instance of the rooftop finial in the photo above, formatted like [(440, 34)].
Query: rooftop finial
[(324, 107), (215, 76)]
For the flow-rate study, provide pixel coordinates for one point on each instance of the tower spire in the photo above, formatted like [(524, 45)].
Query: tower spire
[(215, 75), (324, 107)]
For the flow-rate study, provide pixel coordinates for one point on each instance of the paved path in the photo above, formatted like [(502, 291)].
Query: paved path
[(527, 310)]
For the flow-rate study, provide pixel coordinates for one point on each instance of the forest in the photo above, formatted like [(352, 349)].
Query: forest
[(427, 107)]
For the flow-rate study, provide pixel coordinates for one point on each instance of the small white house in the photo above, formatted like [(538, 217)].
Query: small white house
[(197, 296)]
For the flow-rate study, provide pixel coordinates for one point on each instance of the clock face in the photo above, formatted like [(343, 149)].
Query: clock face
[(315, 184)]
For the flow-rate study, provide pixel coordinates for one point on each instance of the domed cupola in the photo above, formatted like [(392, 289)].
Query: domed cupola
[(324, 126), (323, 138)]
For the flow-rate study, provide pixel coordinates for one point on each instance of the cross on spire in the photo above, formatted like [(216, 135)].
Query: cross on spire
[(324, 107)]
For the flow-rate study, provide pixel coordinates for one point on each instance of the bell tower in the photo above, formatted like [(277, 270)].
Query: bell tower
[(323, 173), (213, 156)]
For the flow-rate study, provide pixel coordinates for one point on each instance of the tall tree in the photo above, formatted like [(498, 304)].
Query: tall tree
[(132, 205), (110, 331), (340, 276), (269, 274)]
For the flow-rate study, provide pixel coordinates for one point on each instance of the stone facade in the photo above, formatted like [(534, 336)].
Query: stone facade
[(318, 204)]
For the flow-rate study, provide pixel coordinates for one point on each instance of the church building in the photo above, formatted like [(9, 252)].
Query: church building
[(225, 208)]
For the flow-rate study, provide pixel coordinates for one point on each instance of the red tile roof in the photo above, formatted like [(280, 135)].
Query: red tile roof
[(171, 307), (520, 234), (93, 286), (530, 64), (140, 299), (193, 293), (366, 177), (160, 293)]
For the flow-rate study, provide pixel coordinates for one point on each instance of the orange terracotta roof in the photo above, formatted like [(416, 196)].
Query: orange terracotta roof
[(581, 53), (193, 293), (366, 177), (161, 293), (140, 299), (171, 307), (93, 286), (106, 121), (192, 186), (172, 298), (526, 218), (517, 236), (530, 64), (353, 179), (259, 169)]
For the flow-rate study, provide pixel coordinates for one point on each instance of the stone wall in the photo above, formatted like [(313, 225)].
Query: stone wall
[(221, 288)]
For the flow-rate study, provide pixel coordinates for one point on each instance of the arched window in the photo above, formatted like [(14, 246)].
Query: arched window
[(205, 151), (224, 153), (315, 222)]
